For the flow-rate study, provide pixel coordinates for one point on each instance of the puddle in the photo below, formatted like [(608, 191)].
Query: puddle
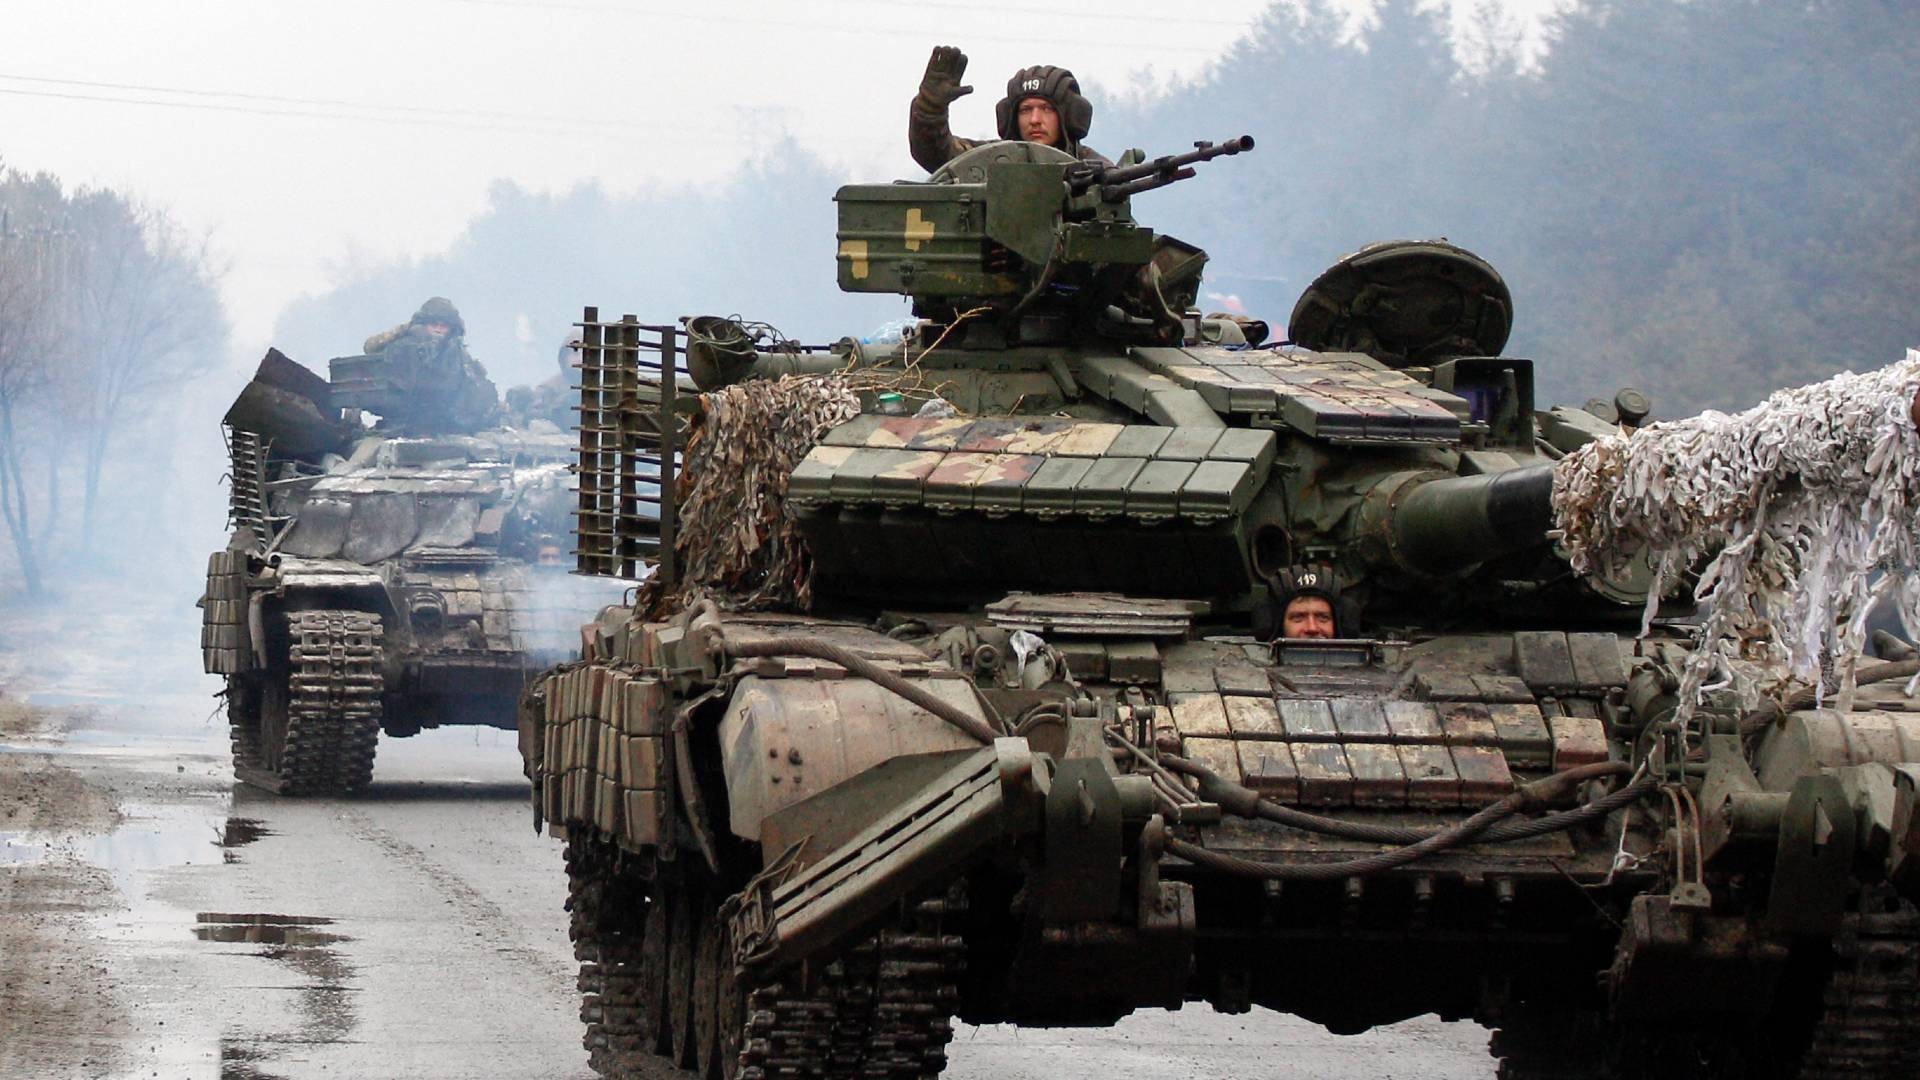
[(16, 851), (60, 699), (242, 831), (323, 998), (153, 836), (287, 930), (241, 1062)]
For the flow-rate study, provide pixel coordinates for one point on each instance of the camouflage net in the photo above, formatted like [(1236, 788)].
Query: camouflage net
[(737, 543), (1806, 503)]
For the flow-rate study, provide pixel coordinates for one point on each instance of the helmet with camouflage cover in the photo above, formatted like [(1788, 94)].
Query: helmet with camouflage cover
[(1059, 88), (439, 309)]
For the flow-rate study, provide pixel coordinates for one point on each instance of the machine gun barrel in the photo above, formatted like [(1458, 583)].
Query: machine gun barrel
[(1117, 182)]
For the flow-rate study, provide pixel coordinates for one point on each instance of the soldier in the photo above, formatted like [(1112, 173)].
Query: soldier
[(1043, 105), (1310, 603), (445, 389)]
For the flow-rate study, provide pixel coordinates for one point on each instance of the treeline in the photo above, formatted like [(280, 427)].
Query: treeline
[(107, 309), (761, 245), (1708, 199)]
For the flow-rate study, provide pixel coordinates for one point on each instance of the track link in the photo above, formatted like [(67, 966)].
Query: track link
[(331, 703), (1869, 1027), (879, 1011), (883, 1010)]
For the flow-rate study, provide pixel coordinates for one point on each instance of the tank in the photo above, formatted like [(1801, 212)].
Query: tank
[(1017, 740), (380, 579)]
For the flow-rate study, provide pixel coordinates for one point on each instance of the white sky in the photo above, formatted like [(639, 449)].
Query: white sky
[(310, 137)]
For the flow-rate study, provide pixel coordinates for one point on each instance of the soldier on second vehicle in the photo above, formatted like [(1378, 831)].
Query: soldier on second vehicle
[(441, 388), (1043, 105)]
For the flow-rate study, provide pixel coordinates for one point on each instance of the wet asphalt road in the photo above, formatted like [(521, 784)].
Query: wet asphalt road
[(416, 931)]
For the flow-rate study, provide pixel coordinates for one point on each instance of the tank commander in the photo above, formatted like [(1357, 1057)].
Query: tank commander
[(441, 388), (1310, 606), (1043, 105)]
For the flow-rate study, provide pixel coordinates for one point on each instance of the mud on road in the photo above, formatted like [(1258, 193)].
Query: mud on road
[(60, 1012)]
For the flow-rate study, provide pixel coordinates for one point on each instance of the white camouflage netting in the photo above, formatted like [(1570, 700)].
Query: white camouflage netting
[(1804, 497)]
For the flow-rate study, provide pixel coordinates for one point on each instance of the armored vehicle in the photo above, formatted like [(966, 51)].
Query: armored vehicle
[(377, 580), (1017, 740)]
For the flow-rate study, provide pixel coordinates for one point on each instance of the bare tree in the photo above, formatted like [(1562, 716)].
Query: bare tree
[(106, 310), (30, 242), (147, 318)]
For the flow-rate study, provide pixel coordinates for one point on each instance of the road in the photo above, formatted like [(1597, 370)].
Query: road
[(157, 920)]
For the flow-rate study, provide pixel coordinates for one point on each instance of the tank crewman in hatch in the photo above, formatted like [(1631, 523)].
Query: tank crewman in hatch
[(444, 389), (1310, 603), (1043, 105)]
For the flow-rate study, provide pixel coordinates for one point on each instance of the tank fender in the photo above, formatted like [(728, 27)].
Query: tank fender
[(791, 739)]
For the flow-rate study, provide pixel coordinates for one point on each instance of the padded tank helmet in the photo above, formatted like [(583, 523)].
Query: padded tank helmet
[(439, 309), (1310, 580), (1058, 86)]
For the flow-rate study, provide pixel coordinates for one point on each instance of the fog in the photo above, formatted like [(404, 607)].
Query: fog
[(1709, 200)]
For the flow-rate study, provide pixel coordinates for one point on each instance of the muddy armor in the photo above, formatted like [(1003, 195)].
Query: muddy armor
[(933, 143), (433, 385)]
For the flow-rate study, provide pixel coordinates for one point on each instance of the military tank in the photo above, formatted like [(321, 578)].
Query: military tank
[(1019, 741), (386, 578)]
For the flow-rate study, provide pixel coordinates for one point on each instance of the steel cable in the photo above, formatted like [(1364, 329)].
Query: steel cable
[(1452, 836)]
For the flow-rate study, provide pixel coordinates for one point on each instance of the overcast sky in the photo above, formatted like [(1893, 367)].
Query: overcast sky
[(311, 137)]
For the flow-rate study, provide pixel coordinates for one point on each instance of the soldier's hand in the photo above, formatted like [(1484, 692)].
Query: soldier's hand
[(945, 68)]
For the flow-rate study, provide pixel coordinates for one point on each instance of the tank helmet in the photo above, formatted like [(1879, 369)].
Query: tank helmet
[(439, 309), (1297, 581), (1058, 86), (1316, 580)]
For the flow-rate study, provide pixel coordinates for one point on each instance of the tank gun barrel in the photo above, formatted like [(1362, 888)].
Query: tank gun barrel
[(1117, 182), (1440, 526)]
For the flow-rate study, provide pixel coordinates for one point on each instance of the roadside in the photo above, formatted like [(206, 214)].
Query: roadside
[(61, 1012)]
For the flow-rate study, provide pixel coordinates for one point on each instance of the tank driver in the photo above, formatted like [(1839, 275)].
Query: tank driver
[(1310, 603), (1043, 105)]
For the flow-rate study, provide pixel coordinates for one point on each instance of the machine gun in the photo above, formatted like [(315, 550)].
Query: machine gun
[(1029, 239), (1117, 182)]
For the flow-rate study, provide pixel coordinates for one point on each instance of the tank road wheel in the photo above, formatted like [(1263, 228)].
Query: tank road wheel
[(683, 929), (311, 727)]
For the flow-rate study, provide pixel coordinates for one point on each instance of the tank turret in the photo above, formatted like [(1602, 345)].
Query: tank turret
[(963, 684)]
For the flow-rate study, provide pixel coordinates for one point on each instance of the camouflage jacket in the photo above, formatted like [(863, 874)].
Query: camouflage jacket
[(445, 389), (933, 143)]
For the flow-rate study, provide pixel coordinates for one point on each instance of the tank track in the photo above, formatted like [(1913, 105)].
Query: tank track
[(333, 707), (1869, 1027), (881, 1011)]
